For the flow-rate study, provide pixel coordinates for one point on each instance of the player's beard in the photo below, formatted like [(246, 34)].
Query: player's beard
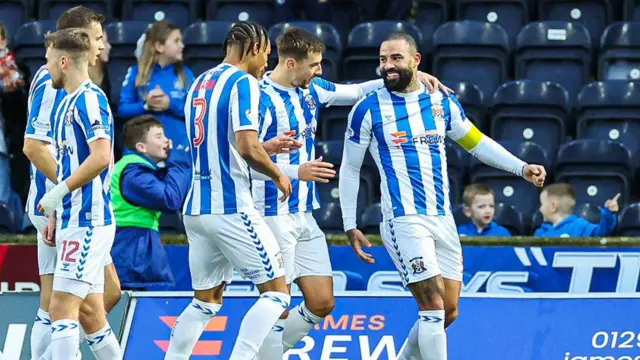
[(405, 75), (59, 82)]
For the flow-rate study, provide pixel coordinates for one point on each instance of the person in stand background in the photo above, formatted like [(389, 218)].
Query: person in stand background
[(480, 208), (159, 83), (98, 73), (149, 179)]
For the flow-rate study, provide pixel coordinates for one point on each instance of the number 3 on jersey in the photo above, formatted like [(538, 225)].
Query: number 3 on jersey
[(200, 106)]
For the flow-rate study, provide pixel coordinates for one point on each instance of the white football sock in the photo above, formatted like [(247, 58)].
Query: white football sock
[(189, 327), (298, 325), (40, 334), (272, 346), (65, 336), (431, 335), (104, 344), (411, 350), (257, 324)]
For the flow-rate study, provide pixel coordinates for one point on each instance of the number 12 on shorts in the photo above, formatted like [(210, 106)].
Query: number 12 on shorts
[(69, 247)]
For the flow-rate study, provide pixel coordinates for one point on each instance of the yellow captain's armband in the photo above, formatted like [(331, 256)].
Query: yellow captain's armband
[(471, 138)]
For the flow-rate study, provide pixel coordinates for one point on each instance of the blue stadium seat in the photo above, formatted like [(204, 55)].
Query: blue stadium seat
[(52, 9), (331, 151), (597, 169), (472, 100), (204, 44), (371, 218), (610, 110), (554, 51), (343, 20), (29, 44), (180, 12), (629, 220), (457, 164), (27, 227), (595, 15), (587, 211), (473, 51), (13, 13), (7, 219), (619, 56), (509, 217), (531, 110), (430, 15), (631, 10), (512, 15), (458, 215), (329, 217), (362, 55), (260, 11), (123, 37), (509, 188), (333, 122), (329, 35), (171, 223)]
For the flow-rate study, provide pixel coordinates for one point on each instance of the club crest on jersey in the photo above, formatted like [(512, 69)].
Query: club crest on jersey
[(438, 112), (68, 118), (417, 265), (310, 101)]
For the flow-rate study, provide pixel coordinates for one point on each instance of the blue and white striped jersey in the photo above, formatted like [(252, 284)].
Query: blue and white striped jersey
[(221, 102), (405, 134), (42, 104), (294, 112), (83, 117)]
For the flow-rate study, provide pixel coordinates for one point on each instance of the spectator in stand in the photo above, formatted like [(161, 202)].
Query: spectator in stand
[(149, 179), (557, 204), (159, 83), (480, 206), (98, 73)]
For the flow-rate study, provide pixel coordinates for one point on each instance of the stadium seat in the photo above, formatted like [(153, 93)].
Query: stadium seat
[(329, 35), (180, 12), (430, 15), (333, 122), (509, 217), (610, 110), (29, 44), (555, 51), (458, 215), (511, 15), (13, 13), (472, 100), (260, 11), (619, 56), (7, 219), (587, 211), (629, 221), (52, 9), (473, 51), (457, 164), (531, 110), (343, 20), (597, 170), (595, 15), (329, 217), (362, 55), (171, 223), (631, 10), (371, 218), (509, 188), (204, 44), (27, 227), (123, 37)]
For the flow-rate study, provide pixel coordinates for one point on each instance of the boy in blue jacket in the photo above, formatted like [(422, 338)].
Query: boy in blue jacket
[(557, 202), (480, 207), (148, 180)]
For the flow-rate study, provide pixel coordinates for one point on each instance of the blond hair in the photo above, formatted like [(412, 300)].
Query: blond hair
[(73, 41), (562, 191), (471, 191)]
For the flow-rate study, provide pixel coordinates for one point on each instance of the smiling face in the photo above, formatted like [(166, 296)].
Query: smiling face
[(156, 145), (305, 69), (398, 64)]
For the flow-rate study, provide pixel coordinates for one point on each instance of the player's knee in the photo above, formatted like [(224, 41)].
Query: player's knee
[(321, 306), (428, 294), (90, 318), (451, 314)]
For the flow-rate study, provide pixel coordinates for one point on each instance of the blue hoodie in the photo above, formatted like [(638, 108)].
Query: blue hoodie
[(493, 229), (132, 102), (574, 226)]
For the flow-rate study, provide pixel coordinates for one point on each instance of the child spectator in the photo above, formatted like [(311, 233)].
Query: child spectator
[(159, 83), (141, 189), (557, 202), (480, 206), (10, 76)]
